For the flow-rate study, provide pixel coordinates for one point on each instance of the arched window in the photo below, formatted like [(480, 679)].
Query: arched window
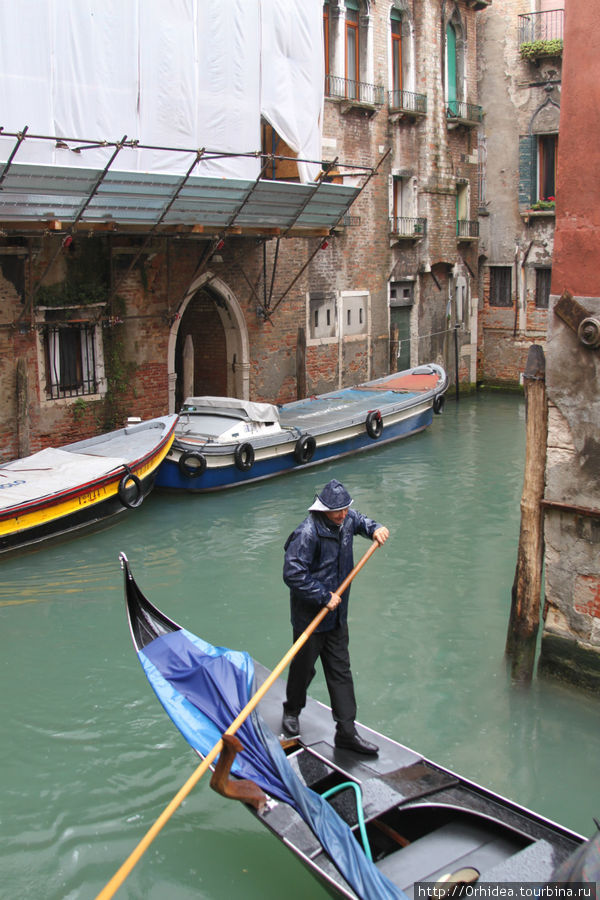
[(451, 69), (352, 48), (397, 79)]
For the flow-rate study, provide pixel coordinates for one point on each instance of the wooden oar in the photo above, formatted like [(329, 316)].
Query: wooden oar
[(121, 874)]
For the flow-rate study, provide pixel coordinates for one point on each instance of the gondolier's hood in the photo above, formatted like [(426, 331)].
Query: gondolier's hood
[(334, 496)]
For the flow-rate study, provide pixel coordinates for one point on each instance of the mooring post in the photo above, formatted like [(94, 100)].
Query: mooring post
[(525, 607), (301, 364), (456, 327)]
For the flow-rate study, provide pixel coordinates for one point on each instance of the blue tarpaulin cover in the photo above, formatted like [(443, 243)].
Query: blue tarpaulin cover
[(203, 689)]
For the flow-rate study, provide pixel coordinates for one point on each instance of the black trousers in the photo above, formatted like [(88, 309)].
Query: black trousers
[(332, 648)]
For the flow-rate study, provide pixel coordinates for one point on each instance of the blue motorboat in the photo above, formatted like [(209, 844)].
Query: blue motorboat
[(221, 442)]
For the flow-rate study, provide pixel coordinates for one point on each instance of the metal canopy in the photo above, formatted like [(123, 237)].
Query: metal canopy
[(36, 193)]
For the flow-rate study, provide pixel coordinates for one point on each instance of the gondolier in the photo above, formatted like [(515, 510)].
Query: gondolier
[(318, 556)]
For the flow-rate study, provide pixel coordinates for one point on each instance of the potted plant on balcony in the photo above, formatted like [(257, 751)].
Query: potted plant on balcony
[(545, 205), (537, 49)]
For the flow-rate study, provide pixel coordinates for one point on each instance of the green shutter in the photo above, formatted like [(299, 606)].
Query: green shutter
[(451, 71), (527, 169)]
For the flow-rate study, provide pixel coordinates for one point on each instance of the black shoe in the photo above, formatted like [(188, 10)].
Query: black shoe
[(356, 743), (291, 725)]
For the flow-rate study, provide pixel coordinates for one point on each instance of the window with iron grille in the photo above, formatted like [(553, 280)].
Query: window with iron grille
[(71, 360), (543, 278), (500, 286)]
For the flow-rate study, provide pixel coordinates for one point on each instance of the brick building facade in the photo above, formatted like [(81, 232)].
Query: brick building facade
[(103, 321)]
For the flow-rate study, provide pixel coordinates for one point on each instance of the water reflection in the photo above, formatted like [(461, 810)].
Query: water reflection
[(90, 759)]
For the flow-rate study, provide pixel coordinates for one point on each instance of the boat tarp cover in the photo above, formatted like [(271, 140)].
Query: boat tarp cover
[(203, 689), (256, 412), (49, 472)]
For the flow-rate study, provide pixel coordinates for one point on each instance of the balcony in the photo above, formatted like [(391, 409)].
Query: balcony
[(541, 34), (460, 113), (354, 93), (407, 228), (406, 103), (467, 229)]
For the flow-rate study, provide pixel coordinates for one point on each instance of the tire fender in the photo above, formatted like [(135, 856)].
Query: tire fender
[(192, 464), (244, 456), (374, 424), (304, 449), (125, 496)]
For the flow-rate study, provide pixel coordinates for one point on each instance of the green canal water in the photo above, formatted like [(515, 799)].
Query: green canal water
[(89, 759)]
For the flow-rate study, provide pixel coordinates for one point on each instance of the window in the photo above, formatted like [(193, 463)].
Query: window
[(451, 91), (547, 147), (70, 351), (400, 204), (538, 155), (352, 50), (397, 81), (322, 315), (543, 278), (500, 286), (70, 357), (326, 21), (354, 307)]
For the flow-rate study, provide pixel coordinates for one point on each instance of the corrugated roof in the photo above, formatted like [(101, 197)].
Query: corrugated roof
[(33, 193)]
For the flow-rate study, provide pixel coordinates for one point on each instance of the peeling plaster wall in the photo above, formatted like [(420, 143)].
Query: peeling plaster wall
[(571, 635), (520, 98)]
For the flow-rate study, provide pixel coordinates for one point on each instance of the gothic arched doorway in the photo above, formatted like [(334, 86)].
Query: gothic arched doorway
[(208, 345)]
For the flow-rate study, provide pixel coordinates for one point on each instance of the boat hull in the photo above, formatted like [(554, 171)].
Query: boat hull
[(337, 424), (222, 472), (88, 503)]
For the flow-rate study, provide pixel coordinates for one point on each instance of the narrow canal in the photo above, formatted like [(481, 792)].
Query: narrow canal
[(89, 759)]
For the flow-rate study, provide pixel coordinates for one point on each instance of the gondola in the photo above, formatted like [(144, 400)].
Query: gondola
[(392, 823)]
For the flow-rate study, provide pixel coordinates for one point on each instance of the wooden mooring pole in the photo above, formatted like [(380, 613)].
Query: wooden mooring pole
[(525, 607), (301, 364)]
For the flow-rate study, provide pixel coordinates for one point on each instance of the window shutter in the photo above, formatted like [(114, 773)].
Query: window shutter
[(527, 169)]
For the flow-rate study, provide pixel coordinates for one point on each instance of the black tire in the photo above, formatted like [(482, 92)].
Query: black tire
[(374, 424), (192, 464), (128, 498), (438, 404), (244, 456), (304, 449)]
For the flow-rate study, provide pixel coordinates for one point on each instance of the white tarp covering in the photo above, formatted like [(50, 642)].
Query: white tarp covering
[(257, 412), (49, 472), (167, 73)]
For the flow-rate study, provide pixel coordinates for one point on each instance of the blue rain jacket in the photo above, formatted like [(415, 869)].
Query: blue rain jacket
[(318, 556)]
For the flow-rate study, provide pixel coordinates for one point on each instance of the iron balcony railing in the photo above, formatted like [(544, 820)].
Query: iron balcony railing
[(407, 226), (466, 112), (467, 228), (407, 101), (541, 26), (346, 89)]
